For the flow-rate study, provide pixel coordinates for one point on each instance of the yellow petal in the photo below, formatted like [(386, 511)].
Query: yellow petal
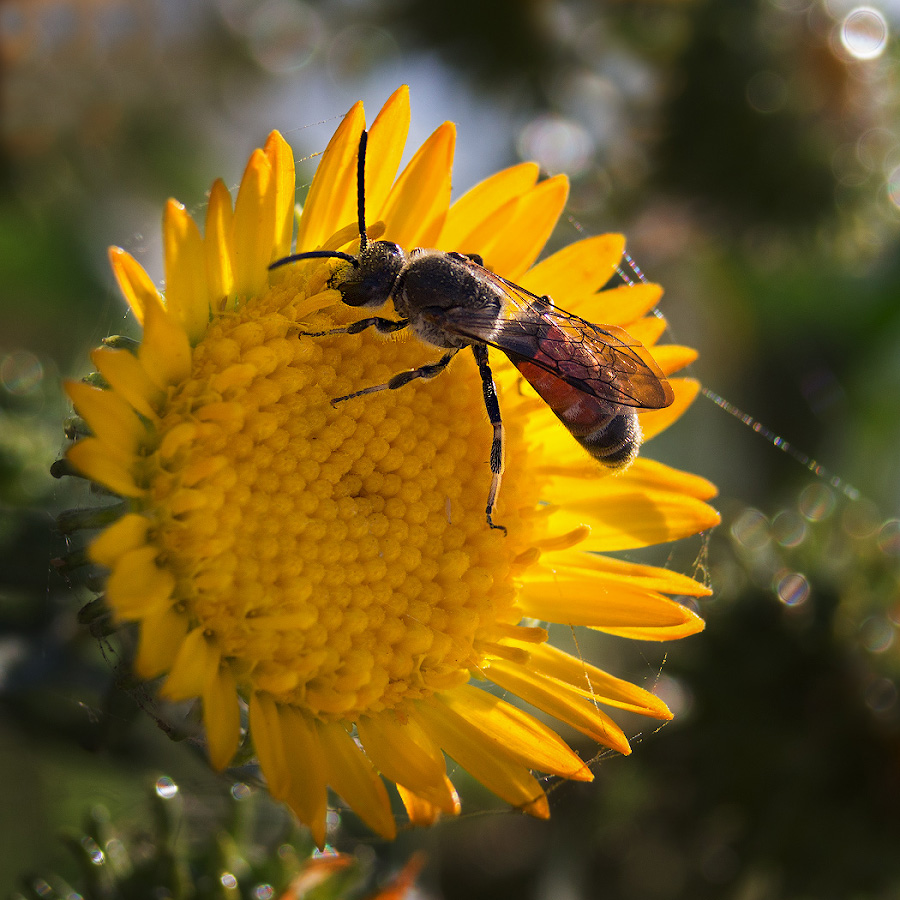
[(134, 282), (479, 203), (638, 519), (195, 665), (653, 421), (648, 330), (265, 726), (620, 305), (110, 418), (92, 458), (308, 794), (187, 297), (384, 150), (417, 205), (671, 357), (221, 717), (331, 201), (560, 701), (128, 378), (620, 571), (161, 634), (137, 586), (654, 475), (593, 683), (515, 732), (516, 246), (647, 504), (584, 266), (395, 750), (420, 811), (127, 533), (352, 775), (281, 158), (165, 352), (628, 611), (495, 769), (218, 246), (254, 227)]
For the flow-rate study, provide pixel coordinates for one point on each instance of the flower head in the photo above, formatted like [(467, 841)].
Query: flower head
[(329, 569)]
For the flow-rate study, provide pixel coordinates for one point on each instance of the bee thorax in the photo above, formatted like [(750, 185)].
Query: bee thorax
[(433, 291)]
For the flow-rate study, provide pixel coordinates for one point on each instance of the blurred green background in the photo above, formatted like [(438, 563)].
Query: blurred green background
[(750, 151)]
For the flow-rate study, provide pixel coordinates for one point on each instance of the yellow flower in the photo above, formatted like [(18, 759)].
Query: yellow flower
[(329, 569)]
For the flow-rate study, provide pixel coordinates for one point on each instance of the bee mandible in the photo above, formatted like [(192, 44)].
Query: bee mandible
[(593, 377)]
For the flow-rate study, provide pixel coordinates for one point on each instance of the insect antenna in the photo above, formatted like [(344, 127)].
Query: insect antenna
[(360, 215), (361, 190)]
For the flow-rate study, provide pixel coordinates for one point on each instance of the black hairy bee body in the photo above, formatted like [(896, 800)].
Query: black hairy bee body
[(593, 377)]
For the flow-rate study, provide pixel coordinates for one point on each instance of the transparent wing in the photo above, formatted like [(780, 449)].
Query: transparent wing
[(604, 362)]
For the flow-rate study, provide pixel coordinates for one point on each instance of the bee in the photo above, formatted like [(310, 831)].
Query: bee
[(594, 378)]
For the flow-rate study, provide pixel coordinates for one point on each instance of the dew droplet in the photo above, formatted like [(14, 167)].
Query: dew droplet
[(864, 33), (792, 589), (166, 787), (228, 881), (264, 892), (816, 502)]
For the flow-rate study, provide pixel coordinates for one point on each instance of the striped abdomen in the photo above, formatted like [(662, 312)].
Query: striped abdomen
[(609, 432)]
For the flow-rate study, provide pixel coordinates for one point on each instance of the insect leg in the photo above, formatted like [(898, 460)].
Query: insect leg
[(492, 405), (383, 326), (429, 371)]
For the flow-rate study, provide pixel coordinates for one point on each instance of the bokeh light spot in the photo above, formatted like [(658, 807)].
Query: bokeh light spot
[(877, 634), (166, 787), (21, 372), (881, 695), (766, 92), (792, 589), (229, 882), (789, 528), (816, 502), (284, 35), (861, 519), (357, 49), (240, 791), (263, 892), (893, 186), (751, 529), (557, 144), (889, 538), (42, 888), (864, 33), (93, 851), (675, 694)]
